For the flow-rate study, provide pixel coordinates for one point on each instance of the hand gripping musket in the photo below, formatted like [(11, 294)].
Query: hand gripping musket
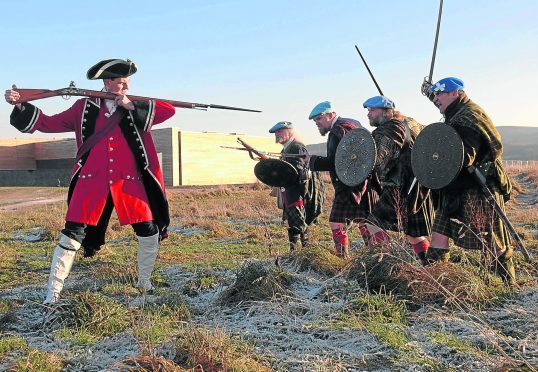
[(272, 172), (261, 155), (427, 83), (267, 153), (481, 179), (27, 95), (252, 151)]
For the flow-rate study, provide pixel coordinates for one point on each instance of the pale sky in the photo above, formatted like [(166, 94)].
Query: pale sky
[(281, 57)]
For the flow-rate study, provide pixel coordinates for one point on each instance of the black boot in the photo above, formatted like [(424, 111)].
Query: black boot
[(421, 257), (305, 238), (293, 237), (437, 255)]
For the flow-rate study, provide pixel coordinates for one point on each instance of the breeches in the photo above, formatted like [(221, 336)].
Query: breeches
[(78, 231)]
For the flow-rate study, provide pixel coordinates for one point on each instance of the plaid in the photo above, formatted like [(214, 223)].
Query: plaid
[(314, 198), (474, 224), (343, 211), (482, 142), (463, 212), (391, 213), (296, 218), (396, 210), (467, 114), (350, 203)]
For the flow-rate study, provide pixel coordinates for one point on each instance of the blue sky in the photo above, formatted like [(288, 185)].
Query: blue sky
[(282, 57)]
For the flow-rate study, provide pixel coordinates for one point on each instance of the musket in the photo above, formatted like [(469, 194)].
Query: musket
[(252, 151), (370, 72), (481, 179), (275, 154), (427, 83), (28, 95)]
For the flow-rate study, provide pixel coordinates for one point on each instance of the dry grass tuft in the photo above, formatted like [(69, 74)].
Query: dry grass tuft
[(148, 363), (201, 349), (88, 312), (256, 281), (39, 361), (379, 271), (319, 259), (449, 284)]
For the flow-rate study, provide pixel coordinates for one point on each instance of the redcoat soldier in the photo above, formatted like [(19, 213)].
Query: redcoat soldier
[(120, 171), (350, 204)]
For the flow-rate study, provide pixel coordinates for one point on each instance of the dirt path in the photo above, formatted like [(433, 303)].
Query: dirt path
[(529, 198), (23, 198)]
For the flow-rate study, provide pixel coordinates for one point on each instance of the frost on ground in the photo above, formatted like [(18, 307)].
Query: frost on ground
[(295, 332)]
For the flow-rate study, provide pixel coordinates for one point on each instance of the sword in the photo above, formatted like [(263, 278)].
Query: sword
[(412, 185), (427, 83), (481, 179), (370, 72)]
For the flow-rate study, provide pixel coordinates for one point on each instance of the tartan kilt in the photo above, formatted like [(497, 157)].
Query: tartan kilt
[(474, 225), (391, 213), (295, 216), (347, 211)]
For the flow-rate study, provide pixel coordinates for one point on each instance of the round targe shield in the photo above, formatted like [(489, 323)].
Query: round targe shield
[(355, 157), (276, 173), (437, 156)]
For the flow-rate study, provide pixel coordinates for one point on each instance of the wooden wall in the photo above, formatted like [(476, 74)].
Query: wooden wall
[(187, 158), (17, 153), (204, 162), (56, 149)]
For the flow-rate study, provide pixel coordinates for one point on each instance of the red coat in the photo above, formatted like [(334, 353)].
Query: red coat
[(110, 167)]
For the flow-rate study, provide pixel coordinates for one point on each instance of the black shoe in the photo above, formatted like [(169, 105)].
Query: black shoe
[(437, 255), (305, 239), (293, 238), (421, 257)]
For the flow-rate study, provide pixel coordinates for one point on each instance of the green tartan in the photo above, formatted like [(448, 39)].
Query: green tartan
[(475, 224), (463, 212)]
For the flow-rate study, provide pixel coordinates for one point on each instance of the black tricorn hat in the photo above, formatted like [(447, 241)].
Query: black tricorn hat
[(111, 69)]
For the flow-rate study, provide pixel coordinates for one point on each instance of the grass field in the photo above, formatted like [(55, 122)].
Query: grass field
[(230, 296)]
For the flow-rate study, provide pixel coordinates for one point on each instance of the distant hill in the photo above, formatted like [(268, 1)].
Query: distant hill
[(317, 149), (520, 143)]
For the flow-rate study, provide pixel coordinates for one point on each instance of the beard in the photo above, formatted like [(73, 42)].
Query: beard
[(323, 131), (375, 122)]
